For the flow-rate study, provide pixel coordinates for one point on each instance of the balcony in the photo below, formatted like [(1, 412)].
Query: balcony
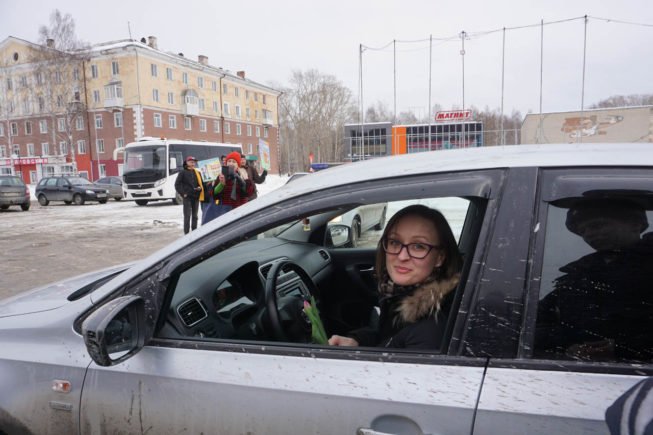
[(110, 103), (191, 106), (191, 109), (113, 96)]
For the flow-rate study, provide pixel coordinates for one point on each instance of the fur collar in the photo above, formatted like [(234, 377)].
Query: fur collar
[(425, 300)]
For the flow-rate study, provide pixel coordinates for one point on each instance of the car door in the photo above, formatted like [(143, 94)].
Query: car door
[(206, 385), (588, 313), (64, 191)]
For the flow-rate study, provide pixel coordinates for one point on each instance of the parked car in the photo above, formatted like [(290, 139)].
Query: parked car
[(208, 334), (13, 191), (360, 219), (113, 185), (70, 190)]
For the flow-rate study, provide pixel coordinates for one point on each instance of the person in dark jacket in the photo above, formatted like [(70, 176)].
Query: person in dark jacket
[(253, 175), (233, 189), (417, 265), (189, 185)]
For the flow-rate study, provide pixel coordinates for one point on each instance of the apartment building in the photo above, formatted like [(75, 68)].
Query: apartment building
[(63, 113)]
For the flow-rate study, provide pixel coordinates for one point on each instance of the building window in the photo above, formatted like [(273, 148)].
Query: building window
[(265, 132), (115, 69), (14, 128), (120, 142), (39, 78), (94, 71), (41, 104), (249, 130), (171, 98), (45, 149), (113, 91), (30, 149), (99, 143), (103, 170), (247, 113), (255, 96), (157, 120), (227, 128), (238, 130), (81, 147), (200, 82), (117, 119), (256, 114), (258, 131), (23, 81), (155, 95), (216, 126), (246, 94), (237, 111), (214, 85), (58, 77), (96, 96), (63, 148), (28, 127), (169, 73), (202, 124), (172, 121), (2, 130), (61, 124), (187, 123), (184, 78), (59, 101), (225, 89), (16, 149), (225, 109), (79, 123), (98, 121), (3, 150), (237, 91), (10, 84), (250, 148), (201, 103), (27, 106), (76, 74), (154, 70), (264, 99)]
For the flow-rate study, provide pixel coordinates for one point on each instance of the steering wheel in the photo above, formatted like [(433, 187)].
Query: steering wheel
[(286, 313)]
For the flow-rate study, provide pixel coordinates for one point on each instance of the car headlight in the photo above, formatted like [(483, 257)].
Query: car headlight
[(336, 220), (90, 192), (157, 183)]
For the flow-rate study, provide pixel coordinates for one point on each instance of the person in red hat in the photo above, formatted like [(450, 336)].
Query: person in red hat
[(189, 185), (233, 189)]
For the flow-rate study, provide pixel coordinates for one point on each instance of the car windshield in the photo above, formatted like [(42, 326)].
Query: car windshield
[(11, 181), (79, 181)]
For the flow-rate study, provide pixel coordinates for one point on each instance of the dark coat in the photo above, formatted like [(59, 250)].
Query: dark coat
[(186, 183), (415, 320)]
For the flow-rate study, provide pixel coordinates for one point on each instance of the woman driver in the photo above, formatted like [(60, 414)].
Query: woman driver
[(417, 264)]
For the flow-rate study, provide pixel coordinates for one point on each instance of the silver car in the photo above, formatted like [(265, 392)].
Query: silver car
[(113, 185), (208, 335)]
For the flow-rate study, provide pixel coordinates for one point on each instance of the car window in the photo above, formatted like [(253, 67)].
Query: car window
[(79, 181), (53, 181), (11, 181), (62, 182), (102, 181), (224, 296), (595, 298)]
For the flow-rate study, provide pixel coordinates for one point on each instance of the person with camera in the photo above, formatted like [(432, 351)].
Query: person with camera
[(189, 185)]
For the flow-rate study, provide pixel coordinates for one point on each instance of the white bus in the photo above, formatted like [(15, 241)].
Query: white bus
[(151, 165)]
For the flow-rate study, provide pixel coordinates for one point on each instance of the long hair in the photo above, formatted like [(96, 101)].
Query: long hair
[(452, 259)]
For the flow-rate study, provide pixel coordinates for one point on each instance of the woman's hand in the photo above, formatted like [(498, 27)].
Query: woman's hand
[(338, 340)]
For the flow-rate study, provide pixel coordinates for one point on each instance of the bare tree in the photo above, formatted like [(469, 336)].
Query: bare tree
[(624, 101), (313, 111), (59, 79)]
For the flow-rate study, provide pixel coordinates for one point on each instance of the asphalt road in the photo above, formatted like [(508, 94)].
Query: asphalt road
[(47, 244)]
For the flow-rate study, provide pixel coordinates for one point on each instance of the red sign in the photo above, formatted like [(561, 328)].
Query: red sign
[(31, 161), (453, 115)]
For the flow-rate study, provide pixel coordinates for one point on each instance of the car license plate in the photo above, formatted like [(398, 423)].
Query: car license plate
[(139, 192), (101, 195)]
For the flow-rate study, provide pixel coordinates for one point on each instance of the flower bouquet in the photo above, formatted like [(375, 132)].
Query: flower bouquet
[(317, 328)]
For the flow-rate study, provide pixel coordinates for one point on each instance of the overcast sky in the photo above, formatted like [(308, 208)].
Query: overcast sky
[(270, 39)]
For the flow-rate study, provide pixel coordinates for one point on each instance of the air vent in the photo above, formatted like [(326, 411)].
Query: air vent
[(324, 254), (265, 269), (191, 312)]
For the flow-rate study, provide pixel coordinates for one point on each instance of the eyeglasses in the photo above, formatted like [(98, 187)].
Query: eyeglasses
[(415, 250)]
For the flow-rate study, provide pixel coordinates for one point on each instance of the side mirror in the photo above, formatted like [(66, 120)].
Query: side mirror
[(115, 331), (337, 236), (173, 163)]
